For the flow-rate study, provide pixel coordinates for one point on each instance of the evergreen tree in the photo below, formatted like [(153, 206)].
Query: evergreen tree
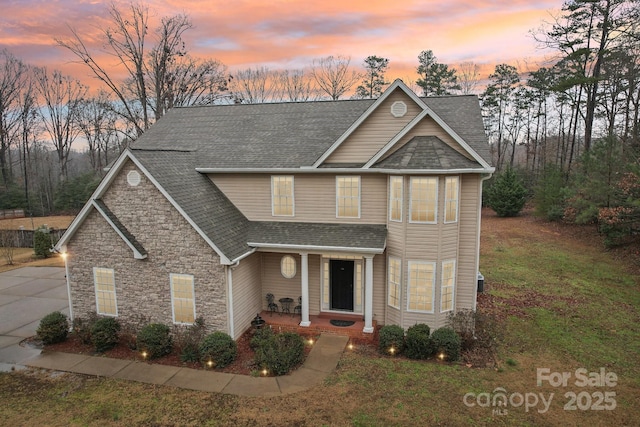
[(507, 195)]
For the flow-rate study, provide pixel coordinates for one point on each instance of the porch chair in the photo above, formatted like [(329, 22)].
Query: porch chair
[(298, 308), (271, 305)]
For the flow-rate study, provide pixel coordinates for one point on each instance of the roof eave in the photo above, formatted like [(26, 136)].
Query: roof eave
[(316, 248)]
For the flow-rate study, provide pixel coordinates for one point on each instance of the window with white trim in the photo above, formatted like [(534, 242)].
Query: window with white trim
[(448, 285), (451, 190), (282, 195), (424, 199), (183, 303), (348, 197), (288, 267), (420, 286), (395, 278), (105, 286), (395, 198)]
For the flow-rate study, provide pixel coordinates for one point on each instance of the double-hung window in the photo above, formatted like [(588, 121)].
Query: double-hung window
[(451, 190), (448, 285), (395, 198), (105, 286), (348, 197), (424, 199), (395, 277), (183, 303), (420, 286), (282, 196)]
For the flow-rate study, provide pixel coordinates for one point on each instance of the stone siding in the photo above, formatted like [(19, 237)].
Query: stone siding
[(143, 286)]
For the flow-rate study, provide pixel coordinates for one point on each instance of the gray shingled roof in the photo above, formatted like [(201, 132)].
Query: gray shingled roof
[(279, 135), (428, 153), (289, 134), (353, 236), (126, 233), (199, 198)]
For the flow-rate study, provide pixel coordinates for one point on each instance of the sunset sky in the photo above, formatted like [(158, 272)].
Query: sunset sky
[(287, 34)]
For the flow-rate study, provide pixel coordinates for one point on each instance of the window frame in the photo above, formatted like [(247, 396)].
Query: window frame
[(275, 180), (394, 284), (412, 198), (447, 200), (173, 276), (97, 292), (295, 267), (344, 198), (452, 285), (409, 286), (398, 199)]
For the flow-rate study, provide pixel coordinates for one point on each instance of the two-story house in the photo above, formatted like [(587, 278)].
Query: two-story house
[(366, 207)]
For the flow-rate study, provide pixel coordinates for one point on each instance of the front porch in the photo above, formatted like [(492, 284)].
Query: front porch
[(321, 324)]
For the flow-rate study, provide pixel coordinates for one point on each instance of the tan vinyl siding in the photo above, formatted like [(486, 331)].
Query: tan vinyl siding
[(375, 132), (281, 287), (246, 293), (466, 283), (315, 197), (427, 127)]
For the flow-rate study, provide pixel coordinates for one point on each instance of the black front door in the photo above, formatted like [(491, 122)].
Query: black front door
[(341, 284)]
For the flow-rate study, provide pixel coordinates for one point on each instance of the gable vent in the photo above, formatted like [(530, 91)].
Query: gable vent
[(133, 178), (398, 109)]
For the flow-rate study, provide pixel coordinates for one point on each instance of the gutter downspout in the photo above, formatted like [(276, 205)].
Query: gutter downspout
[(229, 270), (475, 287)]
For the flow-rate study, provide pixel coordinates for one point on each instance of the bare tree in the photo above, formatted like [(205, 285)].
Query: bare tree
[(468, 77), (98, 124), (252, 86), (61, 96), (195, 82), (295, 85), (12, 73), (333, 75)]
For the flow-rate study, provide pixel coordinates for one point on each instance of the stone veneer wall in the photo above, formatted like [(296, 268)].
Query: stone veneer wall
[(143, 286)]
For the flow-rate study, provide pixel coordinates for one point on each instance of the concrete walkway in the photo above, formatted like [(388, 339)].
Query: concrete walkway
[(28, 294), (320, 362)]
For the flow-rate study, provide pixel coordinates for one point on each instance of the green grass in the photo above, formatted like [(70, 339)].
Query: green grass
[(587, 315)]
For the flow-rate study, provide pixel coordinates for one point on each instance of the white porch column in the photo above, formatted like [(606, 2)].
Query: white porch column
[(368, 294), (304, 276)]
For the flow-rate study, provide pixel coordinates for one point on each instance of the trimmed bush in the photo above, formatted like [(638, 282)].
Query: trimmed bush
[(279, 353), (391, 337), (219, 348), (445, 340), (260, 338), (417, 342), (82, 328), (187, 340), (53, 328), (104, 333), (155, 339), (41, 242)]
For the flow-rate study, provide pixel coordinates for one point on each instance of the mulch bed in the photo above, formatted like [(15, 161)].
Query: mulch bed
[(243, 365)]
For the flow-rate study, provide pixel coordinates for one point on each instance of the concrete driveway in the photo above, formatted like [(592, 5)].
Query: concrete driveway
[(26, 295)]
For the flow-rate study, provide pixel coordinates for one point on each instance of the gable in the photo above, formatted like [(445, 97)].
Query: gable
[(376, 130)]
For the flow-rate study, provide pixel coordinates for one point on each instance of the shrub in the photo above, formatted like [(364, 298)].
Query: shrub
[(82, 327), (279, 353), (53, 328), (391, 337), (463, 322), (41, 242), (260, 337), (104, 333), (506, 195), (219, 348), (155, 339), (446, 341), (418, 345), (187, 340)]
